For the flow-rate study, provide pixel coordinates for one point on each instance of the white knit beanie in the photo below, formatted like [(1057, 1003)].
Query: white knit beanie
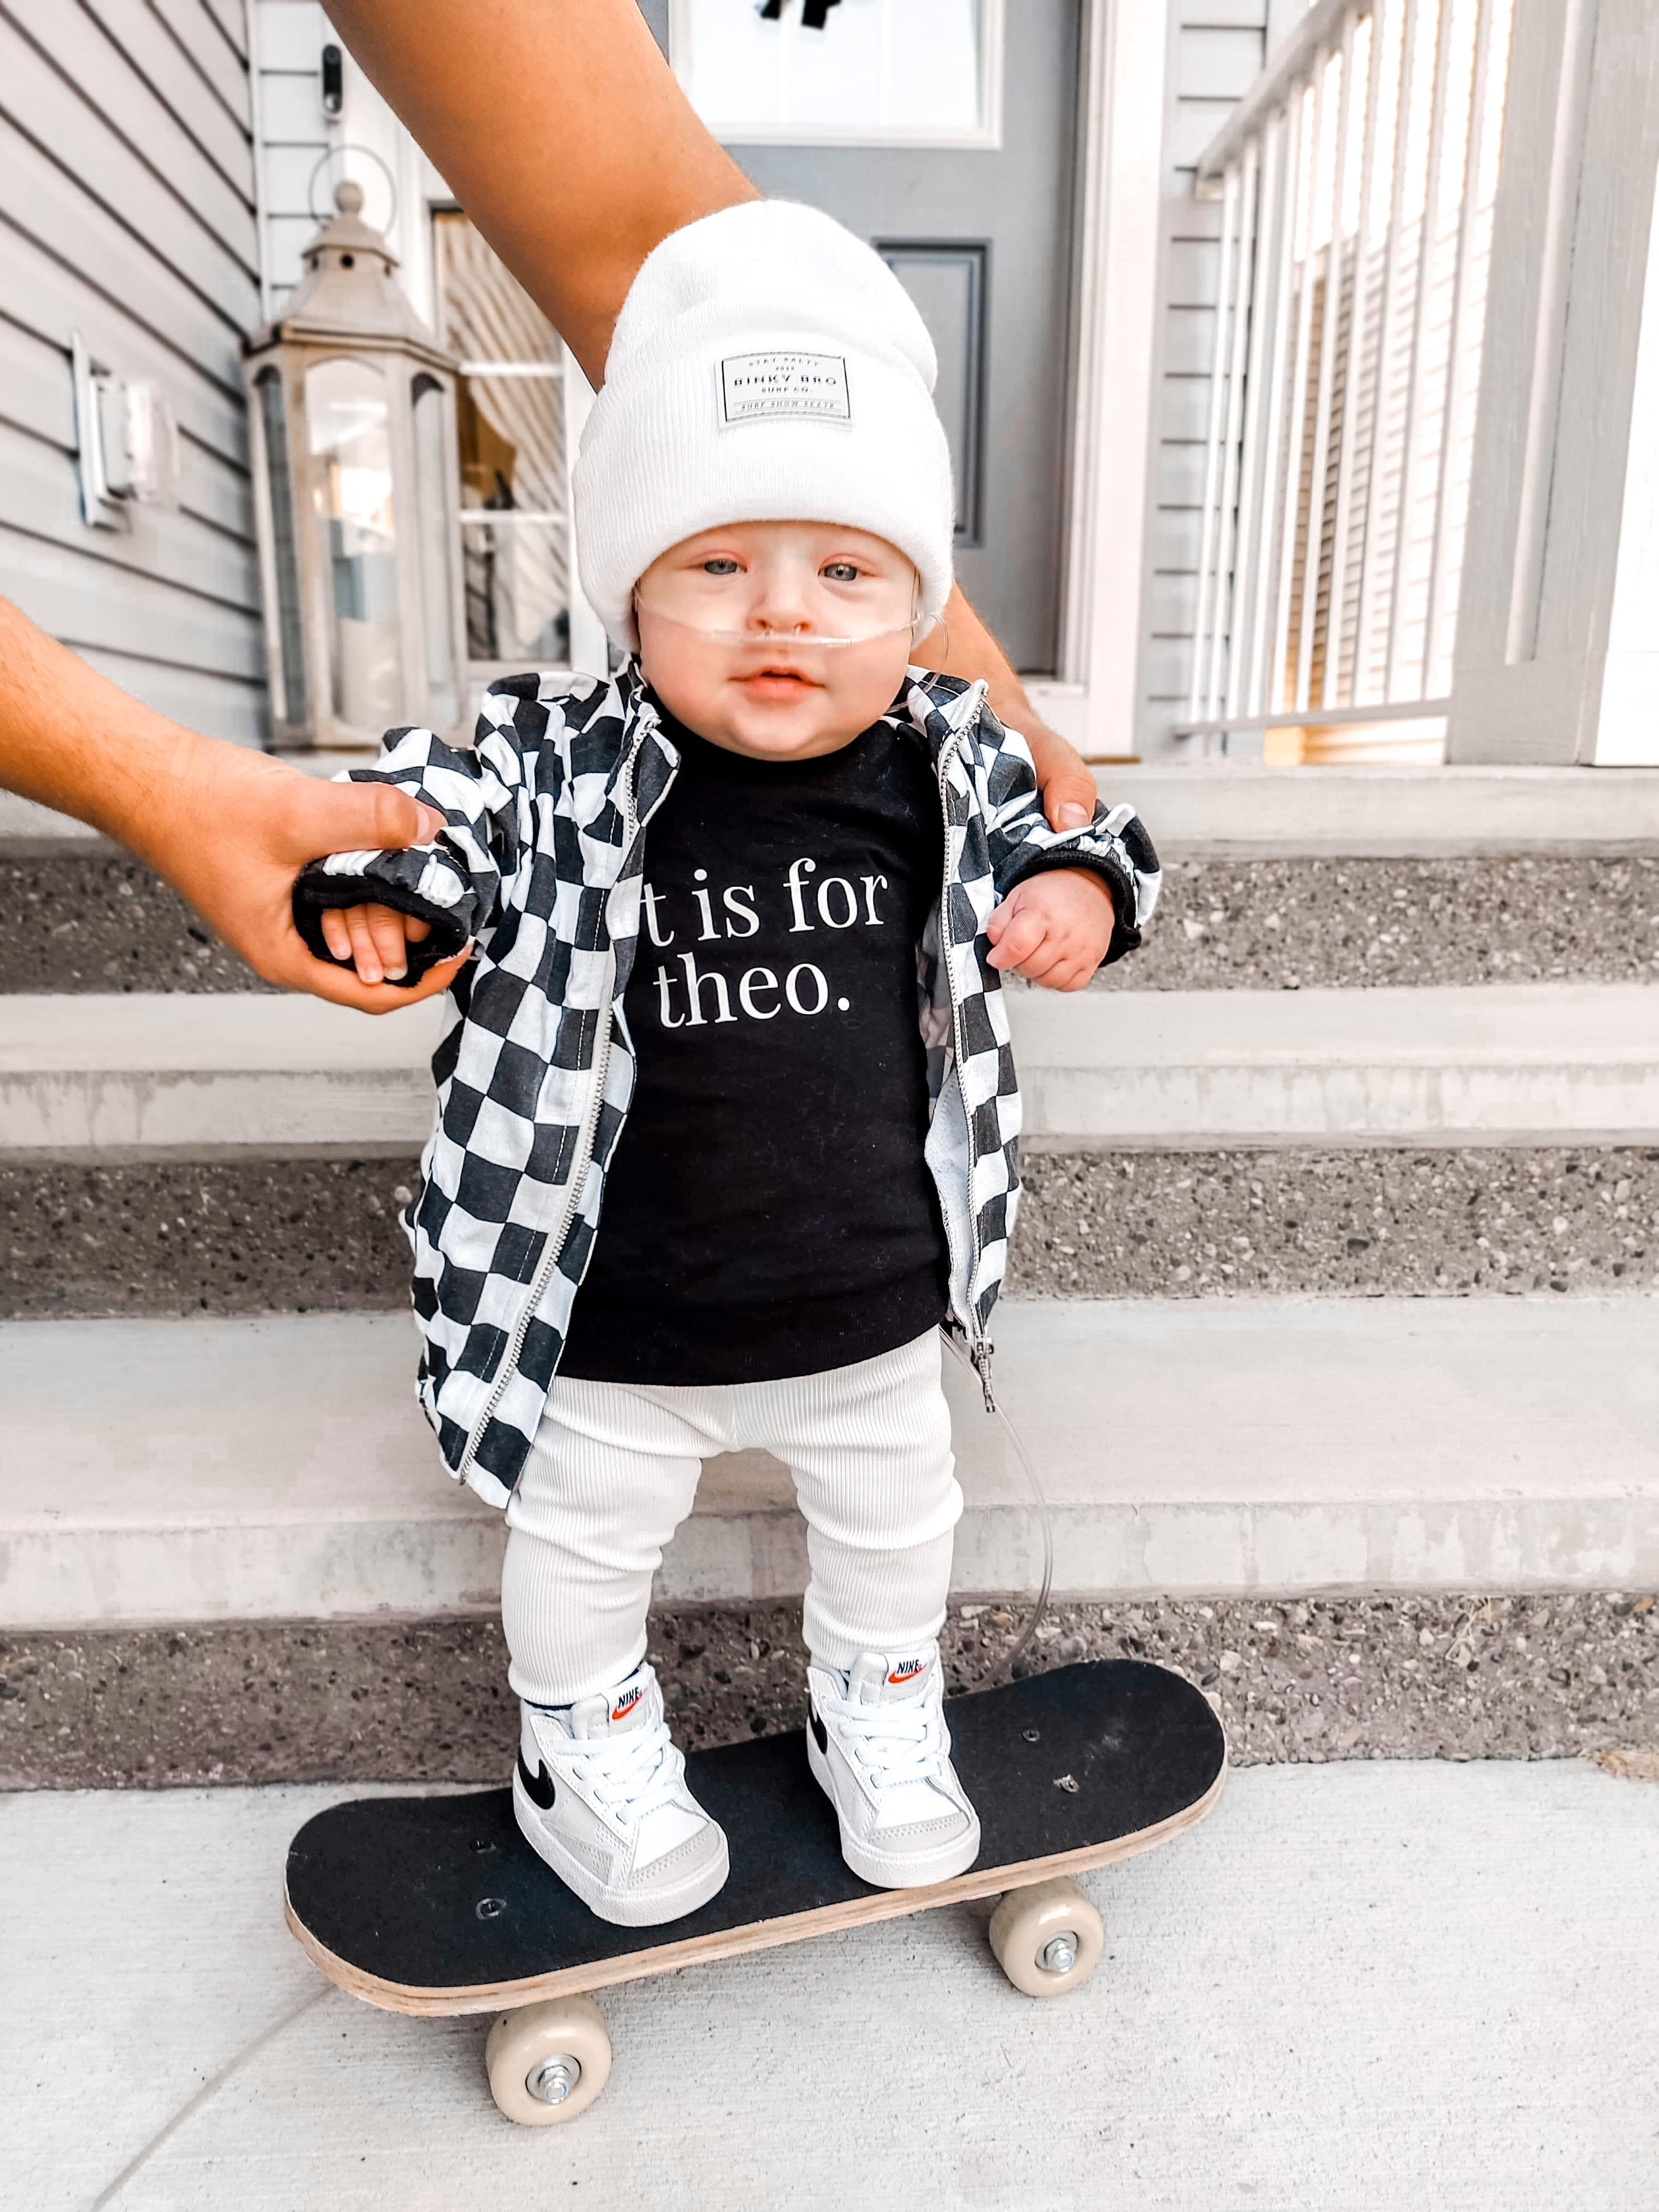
[(766, 367)]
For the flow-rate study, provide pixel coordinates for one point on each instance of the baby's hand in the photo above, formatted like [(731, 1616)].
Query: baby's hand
[(373, 939), (1054, 928)]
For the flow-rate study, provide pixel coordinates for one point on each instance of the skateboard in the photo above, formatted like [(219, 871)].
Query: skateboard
[(437, 1904)]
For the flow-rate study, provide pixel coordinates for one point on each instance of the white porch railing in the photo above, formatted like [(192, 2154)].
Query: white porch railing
[(1357, 182)]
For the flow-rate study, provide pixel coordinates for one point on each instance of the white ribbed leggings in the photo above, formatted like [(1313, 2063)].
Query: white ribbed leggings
[(614, 1472)]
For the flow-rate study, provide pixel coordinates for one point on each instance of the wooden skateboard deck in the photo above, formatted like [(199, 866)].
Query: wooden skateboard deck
[(437, 1904)]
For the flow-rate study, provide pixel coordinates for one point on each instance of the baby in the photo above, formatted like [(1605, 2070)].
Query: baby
[(726, 1112)]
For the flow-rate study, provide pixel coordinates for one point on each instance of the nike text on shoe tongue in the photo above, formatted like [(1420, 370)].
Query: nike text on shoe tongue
[(885, 1678), (627, 1706)]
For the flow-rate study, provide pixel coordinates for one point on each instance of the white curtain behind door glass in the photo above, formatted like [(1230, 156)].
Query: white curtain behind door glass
[(907, 71)]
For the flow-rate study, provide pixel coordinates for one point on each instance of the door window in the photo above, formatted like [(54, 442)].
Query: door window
[(842, 72)]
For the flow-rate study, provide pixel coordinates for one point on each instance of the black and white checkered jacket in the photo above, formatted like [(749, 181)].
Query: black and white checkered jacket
[(542, 865)]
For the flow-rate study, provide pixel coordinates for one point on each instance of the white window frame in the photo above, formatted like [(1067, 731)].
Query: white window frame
[(1093, 696)]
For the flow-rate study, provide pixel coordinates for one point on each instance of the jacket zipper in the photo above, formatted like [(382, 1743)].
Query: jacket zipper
[(979, 1349), (556, 1243)]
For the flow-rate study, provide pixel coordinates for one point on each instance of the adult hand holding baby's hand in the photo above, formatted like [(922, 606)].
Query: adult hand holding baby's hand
[(1054, 928), (372, 940)]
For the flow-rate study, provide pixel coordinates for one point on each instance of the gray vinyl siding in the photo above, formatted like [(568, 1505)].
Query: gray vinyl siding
[(295, 135), (127, 214), (1218, 50)]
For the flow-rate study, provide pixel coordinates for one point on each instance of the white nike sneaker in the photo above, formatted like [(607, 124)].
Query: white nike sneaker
[(878, 1742), (599, 1792)]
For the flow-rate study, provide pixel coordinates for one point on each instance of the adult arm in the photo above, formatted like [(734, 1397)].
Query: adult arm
[(961, 645), (627, 163), (560, 129), (229, 827)]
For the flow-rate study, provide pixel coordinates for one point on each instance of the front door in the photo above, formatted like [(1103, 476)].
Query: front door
[(949, 148)]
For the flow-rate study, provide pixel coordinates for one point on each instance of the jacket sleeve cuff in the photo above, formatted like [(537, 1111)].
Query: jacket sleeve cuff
[(316, 892)]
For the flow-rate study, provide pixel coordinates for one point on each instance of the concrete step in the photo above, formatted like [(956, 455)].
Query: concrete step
[(1520, 1064), (276, 1468), (171, 1072), (1244, 809)]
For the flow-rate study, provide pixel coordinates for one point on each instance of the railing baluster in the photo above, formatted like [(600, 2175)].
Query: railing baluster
[(1247, 588), (1288, 139), (1221, 642), (1212, 454), (1310, 166), (1354, 377), (1461, 344), (1387, 351), (1321, 452), (1426, 258)]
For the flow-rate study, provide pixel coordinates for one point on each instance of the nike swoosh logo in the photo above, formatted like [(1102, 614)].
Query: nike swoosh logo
[(539, 1786)]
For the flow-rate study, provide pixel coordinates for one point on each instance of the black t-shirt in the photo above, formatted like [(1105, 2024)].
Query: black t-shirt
[(767, 1210)]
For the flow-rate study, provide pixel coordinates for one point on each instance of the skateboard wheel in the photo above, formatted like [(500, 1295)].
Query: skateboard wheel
[(1046, 1938), (548, 2062)]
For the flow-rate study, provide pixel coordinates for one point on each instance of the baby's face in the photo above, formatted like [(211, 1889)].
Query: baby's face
[(732, 625)]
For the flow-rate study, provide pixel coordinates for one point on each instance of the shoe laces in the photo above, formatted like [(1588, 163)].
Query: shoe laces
[(631, 1774), (893, 1744)]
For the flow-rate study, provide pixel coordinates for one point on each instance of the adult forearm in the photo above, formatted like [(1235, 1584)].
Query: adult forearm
[(560, 131), (230, 827), (961, 645), (72, 739)]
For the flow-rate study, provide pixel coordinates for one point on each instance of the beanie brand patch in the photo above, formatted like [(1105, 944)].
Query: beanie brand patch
[(762, 387)]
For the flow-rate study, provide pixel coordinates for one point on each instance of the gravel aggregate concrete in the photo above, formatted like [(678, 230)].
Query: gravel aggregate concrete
[(1533, 1677), (229, 1235), (240, 1236), (102, 921), (1286, 924), (1434, 1224)]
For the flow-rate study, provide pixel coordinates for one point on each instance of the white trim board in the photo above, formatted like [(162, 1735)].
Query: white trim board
[(1120, 167), (1626, 730)]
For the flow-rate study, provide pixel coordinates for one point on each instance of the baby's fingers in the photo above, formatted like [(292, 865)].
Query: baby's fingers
[(377, 942), (1023, 931), (336, 934), (388, 928)]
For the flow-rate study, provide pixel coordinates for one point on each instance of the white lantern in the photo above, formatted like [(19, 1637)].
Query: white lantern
[(352, 403)]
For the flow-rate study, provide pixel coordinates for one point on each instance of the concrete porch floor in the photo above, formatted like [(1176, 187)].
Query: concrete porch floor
[(1362, 1986)]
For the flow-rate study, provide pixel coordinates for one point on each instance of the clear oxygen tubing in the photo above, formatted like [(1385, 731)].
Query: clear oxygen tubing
[(780, 640), (1008, 1661)]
